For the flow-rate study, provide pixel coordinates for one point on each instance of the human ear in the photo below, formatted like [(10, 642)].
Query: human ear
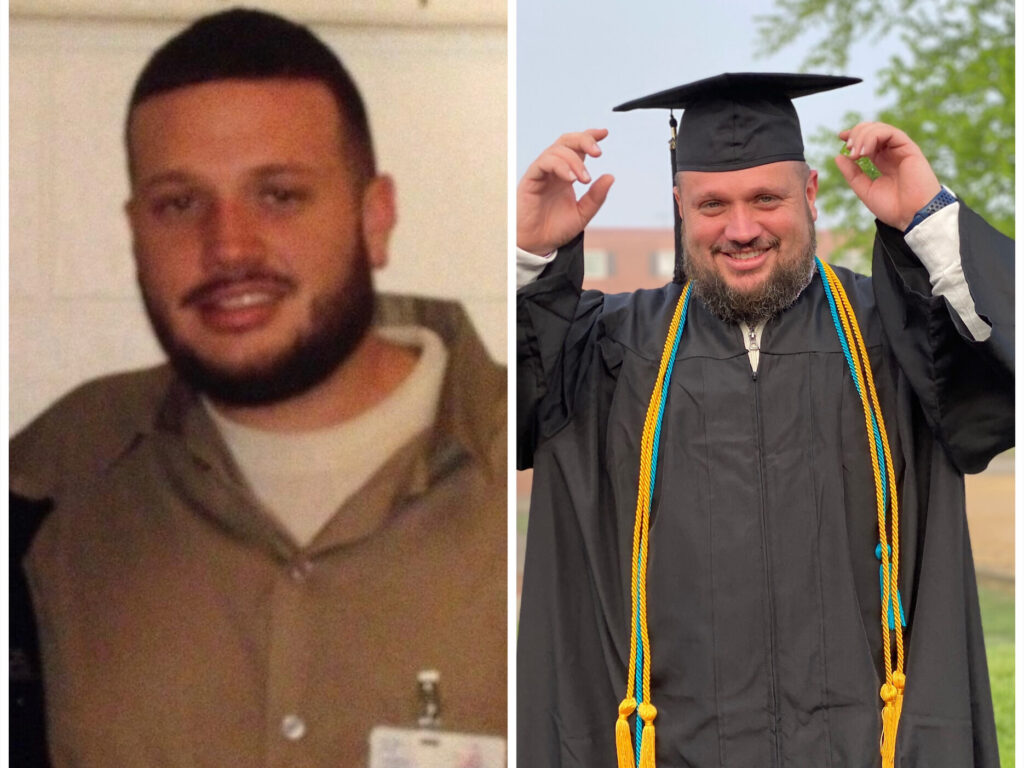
[(811, 192), (379, 218), (677, 192)]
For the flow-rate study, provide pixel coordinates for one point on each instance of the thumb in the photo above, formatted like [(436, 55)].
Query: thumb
[(594, 198), (858, 180)]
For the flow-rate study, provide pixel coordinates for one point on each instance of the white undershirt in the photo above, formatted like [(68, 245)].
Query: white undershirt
[(304, 478)]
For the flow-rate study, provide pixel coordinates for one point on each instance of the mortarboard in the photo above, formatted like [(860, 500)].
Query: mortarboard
[(734, 121)]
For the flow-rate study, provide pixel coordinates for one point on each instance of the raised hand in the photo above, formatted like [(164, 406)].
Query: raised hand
[(547, 212), (907, 182)]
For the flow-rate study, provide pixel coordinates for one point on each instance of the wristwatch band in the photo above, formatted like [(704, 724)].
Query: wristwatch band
[(937, 203)]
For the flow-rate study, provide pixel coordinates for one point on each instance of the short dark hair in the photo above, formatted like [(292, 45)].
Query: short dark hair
[(241, 43)]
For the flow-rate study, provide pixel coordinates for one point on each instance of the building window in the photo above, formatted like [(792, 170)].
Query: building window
[(598, 263), (663, 263)]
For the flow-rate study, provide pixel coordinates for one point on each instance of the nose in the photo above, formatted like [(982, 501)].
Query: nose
[(231, 236), (742, 226)]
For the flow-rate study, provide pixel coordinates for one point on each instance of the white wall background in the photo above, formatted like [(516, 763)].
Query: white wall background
[(434, 79)]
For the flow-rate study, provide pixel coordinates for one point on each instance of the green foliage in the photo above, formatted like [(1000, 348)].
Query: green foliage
[(997, 608), (951, 88)]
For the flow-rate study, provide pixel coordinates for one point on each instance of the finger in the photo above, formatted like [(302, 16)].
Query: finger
[(564, 158), (594, 198), (860, 137), (578, 165), (868, 144), (548, 165), (878, 137), (583, 142), (859, 181), (873, 138), (846, 137), (855, 139), (560, 161), (596, 134), (574, 159)]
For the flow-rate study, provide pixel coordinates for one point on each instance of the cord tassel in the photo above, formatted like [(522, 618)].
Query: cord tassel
[(623, 742), (647, 713), (892, 695)]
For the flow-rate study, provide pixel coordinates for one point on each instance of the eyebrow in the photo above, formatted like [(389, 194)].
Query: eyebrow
[(273, 169), (779, 191), (166, 177), (177, 176), (719, 193)]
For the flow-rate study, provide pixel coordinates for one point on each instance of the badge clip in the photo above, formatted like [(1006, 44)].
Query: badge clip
[(428, 681)]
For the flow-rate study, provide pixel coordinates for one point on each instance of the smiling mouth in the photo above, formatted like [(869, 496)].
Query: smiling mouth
[(239, 291), (234, 300), (745, 255), (747, 259), (238, 304)]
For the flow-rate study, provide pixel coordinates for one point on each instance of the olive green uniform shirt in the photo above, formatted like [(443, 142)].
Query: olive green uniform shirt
[(181, 626)]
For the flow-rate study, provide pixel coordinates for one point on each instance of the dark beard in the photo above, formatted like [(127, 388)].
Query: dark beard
[(340, 320), (779, 292)]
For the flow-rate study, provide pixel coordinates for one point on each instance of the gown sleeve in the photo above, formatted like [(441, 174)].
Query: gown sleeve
[(965, 387), (554, 319)]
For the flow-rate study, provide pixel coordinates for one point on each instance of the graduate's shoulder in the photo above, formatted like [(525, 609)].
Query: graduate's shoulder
[(858, 287), (85, 430), (644, 299), (630, 318)]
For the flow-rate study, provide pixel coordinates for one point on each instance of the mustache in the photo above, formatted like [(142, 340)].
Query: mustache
[(757, 244), (229, 278)]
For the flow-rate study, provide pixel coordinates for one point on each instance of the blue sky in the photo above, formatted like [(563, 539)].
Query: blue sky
[(576, 59)]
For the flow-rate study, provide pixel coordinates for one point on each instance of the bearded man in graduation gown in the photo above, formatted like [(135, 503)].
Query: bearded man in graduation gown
[(763, 575)]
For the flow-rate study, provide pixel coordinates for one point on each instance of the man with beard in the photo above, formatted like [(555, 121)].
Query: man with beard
[(251, 554), (747, 530)]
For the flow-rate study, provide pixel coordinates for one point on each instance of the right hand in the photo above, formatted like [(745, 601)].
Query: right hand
[(548, 215)]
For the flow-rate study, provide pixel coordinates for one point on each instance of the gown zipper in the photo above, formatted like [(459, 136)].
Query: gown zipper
[(770, 602), (753, 347), (751, 334)]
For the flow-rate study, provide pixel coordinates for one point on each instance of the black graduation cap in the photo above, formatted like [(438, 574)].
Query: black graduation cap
[(734, 121)]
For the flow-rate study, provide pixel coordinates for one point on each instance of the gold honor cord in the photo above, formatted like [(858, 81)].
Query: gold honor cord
[(895, 679), (639, 674), (638, 582)]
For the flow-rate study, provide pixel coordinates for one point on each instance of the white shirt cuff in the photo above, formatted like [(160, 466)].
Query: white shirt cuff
[(530, 265), (936, 242)]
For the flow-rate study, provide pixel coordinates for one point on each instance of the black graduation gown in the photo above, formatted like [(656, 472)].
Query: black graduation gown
[(763, 586)]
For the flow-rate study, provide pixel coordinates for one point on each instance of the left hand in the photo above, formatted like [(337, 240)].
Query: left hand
[(907, 182)]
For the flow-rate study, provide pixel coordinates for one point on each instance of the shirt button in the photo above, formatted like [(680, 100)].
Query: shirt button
[(300, 571), (293, 727)]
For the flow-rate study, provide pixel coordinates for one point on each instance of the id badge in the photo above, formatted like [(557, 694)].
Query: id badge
[(392, 747)]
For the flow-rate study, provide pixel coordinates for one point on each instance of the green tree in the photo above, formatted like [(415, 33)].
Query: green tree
[(951, 89)]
